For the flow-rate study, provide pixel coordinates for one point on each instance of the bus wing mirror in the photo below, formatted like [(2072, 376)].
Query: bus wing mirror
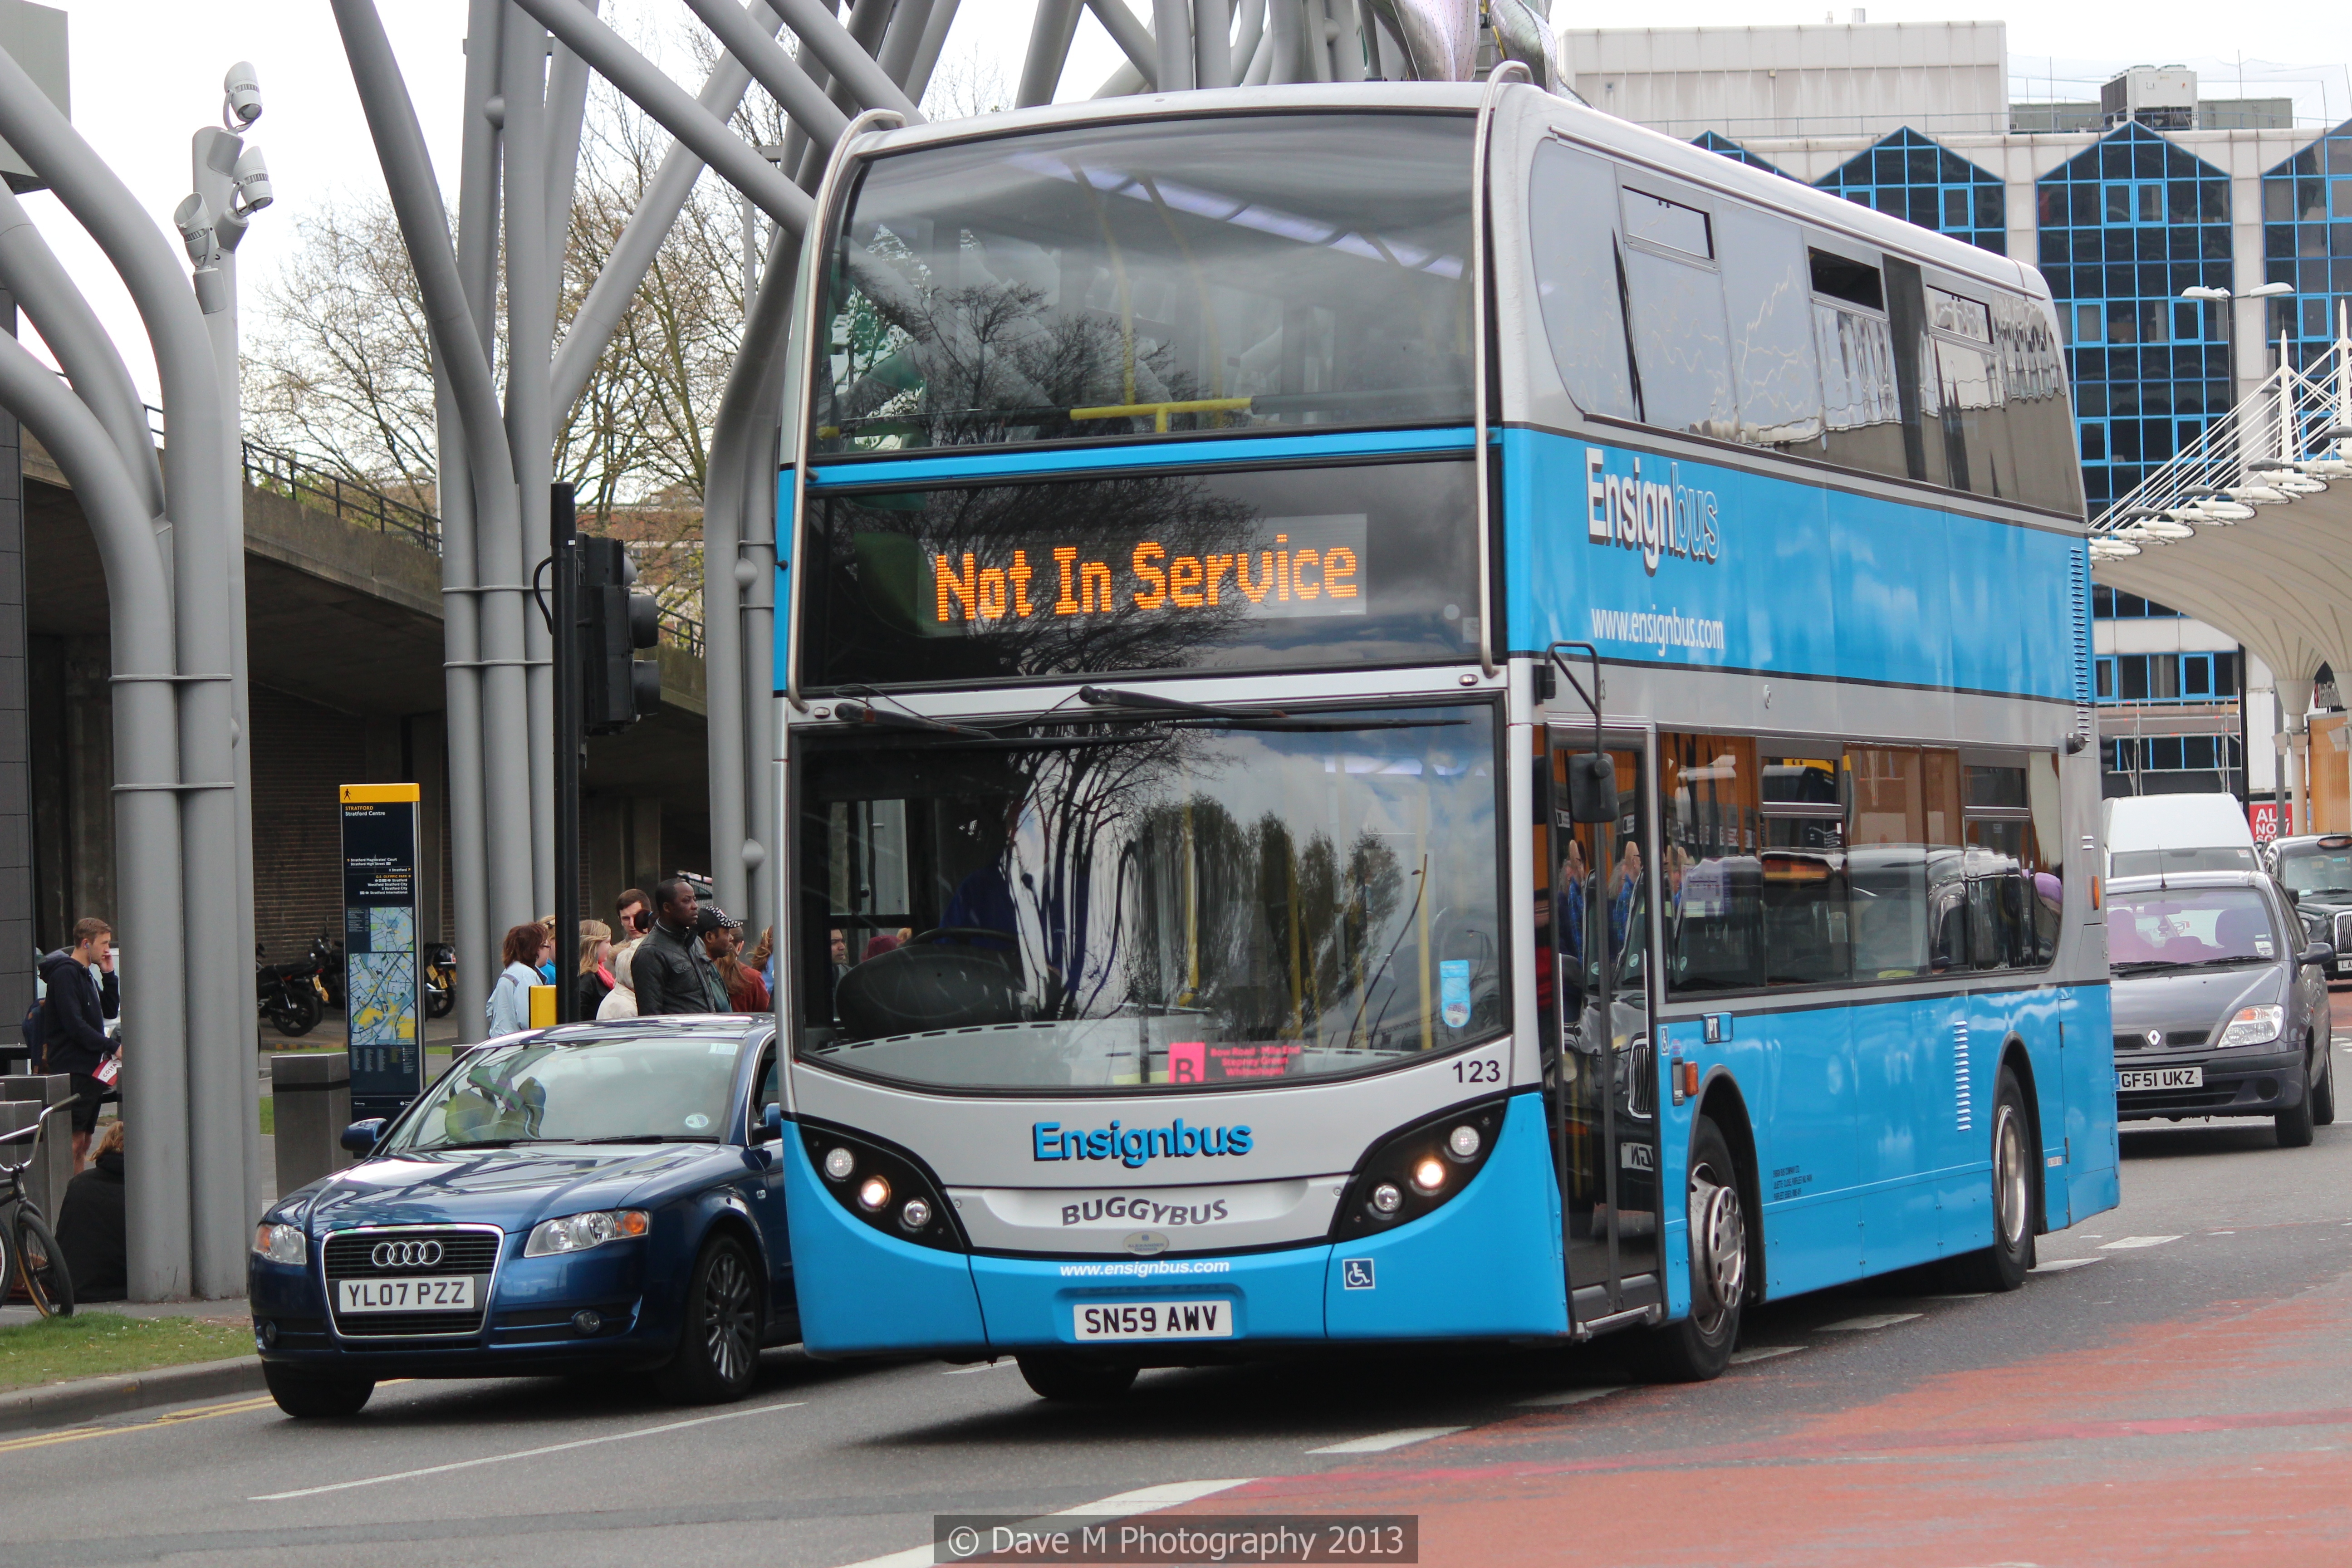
[(1591, 787)]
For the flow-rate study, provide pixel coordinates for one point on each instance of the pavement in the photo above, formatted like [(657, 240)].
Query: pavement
[(2168, 1387)]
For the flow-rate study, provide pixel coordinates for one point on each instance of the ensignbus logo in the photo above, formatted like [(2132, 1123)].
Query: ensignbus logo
[(1654, 512), (1136, 1147)]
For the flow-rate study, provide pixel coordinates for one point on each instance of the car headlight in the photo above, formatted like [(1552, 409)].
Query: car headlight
[(281, 1243), (2255, 1026), (579, 1232)]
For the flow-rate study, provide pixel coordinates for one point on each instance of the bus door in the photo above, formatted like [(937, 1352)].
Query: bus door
[(1600, 1067)]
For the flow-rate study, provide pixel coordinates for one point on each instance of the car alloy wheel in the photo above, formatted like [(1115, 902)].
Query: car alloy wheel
[(731, 1336)]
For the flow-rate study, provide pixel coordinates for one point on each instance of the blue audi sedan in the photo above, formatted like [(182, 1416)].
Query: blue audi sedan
[(589, 1197)]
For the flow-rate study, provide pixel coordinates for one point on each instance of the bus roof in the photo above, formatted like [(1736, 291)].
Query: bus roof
[(1605, 133)]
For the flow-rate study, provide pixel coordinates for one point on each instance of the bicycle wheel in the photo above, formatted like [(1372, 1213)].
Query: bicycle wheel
[(41, 1266)]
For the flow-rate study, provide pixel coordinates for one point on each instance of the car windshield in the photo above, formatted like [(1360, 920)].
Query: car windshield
[(1166, 277), (2202, 858), (2181, 927), (600, 1088), (2317, 867), (1154, 904)]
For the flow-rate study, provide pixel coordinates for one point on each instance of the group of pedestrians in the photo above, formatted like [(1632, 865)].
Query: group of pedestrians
[(666, 952)]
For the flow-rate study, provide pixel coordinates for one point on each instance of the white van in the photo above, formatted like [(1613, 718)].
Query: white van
[(2151, 833)]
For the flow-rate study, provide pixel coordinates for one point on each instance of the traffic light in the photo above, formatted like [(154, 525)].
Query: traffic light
[(617, 687)]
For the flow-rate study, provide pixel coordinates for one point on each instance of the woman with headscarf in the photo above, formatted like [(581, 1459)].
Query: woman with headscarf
[(621, 1002)]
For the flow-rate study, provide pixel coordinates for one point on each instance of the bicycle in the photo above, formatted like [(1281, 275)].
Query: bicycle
[(27, 1242)]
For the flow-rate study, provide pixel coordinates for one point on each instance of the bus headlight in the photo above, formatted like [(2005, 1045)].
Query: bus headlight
[(1417, 1168), (883, 1186)]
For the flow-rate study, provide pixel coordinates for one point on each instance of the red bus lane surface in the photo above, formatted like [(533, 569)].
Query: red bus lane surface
[(2224, 1434)]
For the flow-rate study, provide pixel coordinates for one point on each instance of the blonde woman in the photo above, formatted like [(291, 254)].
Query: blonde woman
[(594, 977)]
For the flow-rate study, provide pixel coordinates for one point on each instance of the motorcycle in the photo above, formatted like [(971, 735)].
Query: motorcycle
[(326, 961), (288, 994), (440, 980)]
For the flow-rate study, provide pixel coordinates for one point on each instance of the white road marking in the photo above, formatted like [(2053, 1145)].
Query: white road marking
[(1762, 1353), (2060, 1265), (1381, 1442), (1125, 1505), (1868, 1321), (1567, 1396), (528, 1453), (983, 1366), (2124, 1242)]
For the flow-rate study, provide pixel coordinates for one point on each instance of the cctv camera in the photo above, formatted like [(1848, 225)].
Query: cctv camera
[(241, 106), (194, 218), (250, 179)]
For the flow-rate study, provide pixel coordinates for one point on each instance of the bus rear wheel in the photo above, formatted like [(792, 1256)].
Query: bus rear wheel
[(1698, 1348), (1074, 1380)]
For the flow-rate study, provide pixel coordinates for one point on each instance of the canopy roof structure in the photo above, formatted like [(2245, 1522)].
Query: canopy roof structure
[(2249, 528)]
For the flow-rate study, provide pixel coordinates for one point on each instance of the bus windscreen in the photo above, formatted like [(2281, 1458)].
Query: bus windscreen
[(1155, 904), (1166, 277)]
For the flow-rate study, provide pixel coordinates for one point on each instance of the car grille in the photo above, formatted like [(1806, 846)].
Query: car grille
[(350, 1254), (2343, 929), (2138, 1042)]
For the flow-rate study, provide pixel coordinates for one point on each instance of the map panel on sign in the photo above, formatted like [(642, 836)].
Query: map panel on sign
[(392, 929), (382, 988)]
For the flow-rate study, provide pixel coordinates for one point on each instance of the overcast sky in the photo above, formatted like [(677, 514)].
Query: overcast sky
[(146, 74)]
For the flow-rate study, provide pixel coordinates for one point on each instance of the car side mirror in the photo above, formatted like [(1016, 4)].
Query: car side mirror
[(2319, 952), (772, 1122), (1591, 787), (360, 1137)]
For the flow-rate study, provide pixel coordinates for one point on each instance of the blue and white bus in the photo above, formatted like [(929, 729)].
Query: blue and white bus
[(1223, 528)]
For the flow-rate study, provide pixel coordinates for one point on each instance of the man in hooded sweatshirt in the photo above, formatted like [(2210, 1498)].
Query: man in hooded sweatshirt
[(74, 1012)]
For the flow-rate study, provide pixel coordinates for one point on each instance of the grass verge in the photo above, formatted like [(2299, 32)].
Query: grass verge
[(97, 1343)]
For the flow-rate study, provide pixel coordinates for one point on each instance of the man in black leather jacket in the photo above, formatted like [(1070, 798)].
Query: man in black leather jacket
[(670, 971)]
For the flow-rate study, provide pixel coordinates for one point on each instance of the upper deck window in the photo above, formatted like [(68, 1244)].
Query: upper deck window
[(1123, 280)]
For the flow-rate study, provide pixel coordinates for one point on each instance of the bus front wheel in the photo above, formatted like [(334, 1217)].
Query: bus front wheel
[(1698, 1348), (1073, 1379)]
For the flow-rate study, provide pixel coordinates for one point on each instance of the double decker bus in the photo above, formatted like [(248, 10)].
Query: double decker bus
[(1413, 713)]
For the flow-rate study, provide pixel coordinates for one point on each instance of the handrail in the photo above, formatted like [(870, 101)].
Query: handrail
[(1483, 466), (828, 190)]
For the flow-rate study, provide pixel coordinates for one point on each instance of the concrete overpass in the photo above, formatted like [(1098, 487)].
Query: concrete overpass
[(343, 631)]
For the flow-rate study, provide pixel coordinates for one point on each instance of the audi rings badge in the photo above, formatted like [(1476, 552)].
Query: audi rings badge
[(405, 1254)]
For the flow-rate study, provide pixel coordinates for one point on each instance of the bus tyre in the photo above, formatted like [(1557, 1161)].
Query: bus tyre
[(1074, 1380), (307, 1396), (1698, 1348), (2294, 1124), (2003, 1265), (719, 1346)]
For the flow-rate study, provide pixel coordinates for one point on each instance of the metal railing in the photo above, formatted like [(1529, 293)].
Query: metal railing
[(322, 490)]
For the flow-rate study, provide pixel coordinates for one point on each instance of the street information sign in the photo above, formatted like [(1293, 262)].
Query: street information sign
[(379, 964)]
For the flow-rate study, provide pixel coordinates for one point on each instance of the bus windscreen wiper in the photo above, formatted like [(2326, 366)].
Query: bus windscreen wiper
[(1109, 697), (855, 713), (1205, 716)]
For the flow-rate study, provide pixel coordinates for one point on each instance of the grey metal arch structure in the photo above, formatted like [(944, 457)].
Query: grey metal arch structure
[(169, 532), (527, 65), (2250, 529)]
